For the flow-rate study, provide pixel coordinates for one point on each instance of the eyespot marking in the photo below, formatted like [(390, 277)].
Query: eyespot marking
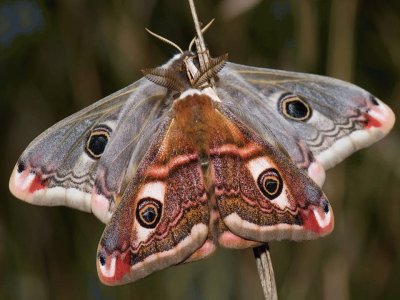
[(102, 259), (294, 108), (373, 100), (21, 167), (270, 183), (325, 206), (148, 212), (97, 141)]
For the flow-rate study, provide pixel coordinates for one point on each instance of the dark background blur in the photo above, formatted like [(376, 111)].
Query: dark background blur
[(57, 57)]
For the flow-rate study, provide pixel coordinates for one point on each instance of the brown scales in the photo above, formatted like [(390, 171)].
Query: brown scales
[(202, 159)]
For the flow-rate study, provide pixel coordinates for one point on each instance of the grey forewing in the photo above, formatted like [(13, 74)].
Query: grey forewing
[(248, 92), (138, 123), (59, 152), (56, 151), (251, 106)]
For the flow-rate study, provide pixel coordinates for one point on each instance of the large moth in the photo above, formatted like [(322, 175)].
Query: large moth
[(201, 152)]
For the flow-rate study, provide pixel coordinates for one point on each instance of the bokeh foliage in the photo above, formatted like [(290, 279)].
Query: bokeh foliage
[(57, 57)]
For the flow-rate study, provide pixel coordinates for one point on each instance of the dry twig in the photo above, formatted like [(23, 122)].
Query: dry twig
[(265, 271)]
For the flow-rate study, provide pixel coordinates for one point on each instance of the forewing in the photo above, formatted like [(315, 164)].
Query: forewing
[(318, 120), (58, 169)]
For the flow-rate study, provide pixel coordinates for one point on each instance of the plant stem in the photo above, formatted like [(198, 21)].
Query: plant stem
[(265, 271)]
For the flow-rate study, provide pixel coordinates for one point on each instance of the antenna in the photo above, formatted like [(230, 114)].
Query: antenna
[(202, 31), (165, 40)]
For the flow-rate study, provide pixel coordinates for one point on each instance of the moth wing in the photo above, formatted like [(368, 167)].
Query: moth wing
[(57, 169), (260, 193), (318, 120), (138, 122), (163, 216)]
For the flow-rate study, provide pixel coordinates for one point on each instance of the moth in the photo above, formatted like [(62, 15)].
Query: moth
[(201, 152)]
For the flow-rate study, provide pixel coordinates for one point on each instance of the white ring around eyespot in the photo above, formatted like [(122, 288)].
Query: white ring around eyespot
[(155, 190), (256, 167)]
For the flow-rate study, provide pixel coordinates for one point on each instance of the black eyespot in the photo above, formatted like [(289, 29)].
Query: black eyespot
[(297, 220), (97, 141), (270, 183), (148, 212), (21, 167), (292, 107), (373, 100), (325, 206), (102, 259)]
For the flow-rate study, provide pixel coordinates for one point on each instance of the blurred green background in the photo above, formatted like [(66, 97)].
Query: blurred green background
[(57, 57)]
